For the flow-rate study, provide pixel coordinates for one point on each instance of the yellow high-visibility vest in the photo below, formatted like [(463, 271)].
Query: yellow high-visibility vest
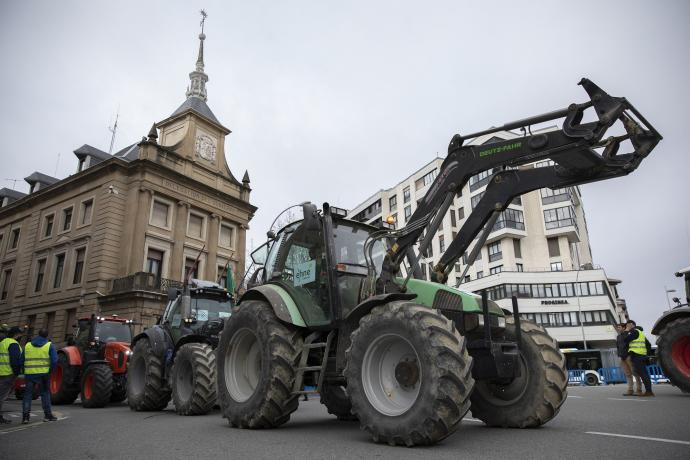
[(37, 359), (638, 345), (5, 368)]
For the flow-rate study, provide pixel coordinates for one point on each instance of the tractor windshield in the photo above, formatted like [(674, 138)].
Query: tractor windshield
[(209, 309), (349, 241), (114, 331)]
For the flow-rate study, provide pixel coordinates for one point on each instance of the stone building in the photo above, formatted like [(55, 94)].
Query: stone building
[(112, 237)]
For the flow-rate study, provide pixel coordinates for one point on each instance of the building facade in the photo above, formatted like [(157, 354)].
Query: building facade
[(111, 238), (538, 250)]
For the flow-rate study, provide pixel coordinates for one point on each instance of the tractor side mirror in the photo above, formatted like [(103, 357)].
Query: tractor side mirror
[(311, 217)]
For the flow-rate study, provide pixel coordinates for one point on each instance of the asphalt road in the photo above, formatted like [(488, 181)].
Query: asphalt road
[(592, 424)]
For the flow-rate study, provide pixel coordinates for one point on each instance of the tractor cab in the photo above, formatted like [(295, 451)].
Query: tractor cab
[(95, 333)]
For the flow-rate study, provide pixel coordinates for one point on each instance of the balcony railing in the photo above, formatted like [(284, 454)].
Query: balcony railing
[(143, 281)]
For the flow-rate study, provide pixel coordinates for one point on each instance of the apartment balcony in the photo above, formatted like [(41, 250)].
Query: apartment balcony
[(142, 281), (564, 227), (510, 224)]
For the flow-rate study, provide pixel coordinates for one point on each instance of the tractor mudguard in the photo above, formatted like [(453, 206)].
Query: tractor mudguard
[(670, 315), (73, 355), (158, 338), (365, 307), (278, 298), (192, 338)]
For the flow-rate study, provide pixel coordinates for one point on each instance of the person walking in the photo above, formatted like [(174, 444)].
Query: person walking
[(10, 365), (626, 363), (638, 348), (38, 360)]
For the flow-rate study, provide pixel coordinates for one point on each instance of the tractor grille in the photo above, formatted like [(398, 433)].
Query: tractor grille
[(444, 300)]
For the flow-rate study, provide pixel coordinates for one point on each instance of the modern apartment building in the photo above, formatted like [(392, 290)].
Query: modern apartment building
[(538, 251), (112, 237)]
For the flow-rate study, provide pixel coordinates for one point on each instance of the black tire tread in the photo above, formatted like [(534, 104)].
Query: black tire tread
[(337, 402), (203, 397), (670, 332), (155, 395), (69, 389), (102, 387)]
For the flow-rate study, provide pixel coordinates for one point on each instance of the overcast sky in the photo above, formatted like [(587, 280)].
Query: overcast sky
[(331, 101)]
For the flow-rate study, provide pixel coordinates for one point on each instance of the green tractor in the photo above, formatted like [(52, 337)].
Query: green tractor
[(334, 306)]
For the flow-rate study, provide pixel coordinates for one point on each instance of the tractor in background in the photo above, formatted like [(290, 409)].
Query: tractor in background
[(673, 330), (94, 363)]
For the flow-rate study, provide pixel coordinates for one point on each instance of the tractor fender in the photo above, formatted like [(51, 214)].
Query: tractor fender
[(73, 355), (159, 339), (278, 298), (365, 307), (192, 338), (670, 315)]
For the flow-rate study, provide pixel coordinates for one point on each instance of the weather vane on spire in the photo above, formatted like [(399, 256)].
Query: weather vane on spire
[(203, 19)]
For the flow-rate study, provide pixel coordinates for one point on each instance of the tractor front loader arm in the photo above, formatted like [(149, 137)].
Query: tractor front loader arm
[(575, 150)]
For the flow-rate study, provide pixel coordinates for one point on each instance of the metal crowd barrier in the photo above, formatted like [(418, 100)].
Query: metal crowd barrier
[(612, 375), (576, 377), (656, 374)]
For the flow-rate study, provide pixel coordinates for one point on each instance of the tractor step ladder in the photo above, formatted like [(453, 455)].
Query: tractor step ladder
[(309, 345)]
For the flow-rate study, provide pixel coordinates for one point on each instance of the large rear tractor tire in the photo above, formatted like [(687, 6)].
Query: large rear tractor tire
[(257, 360), (64, 385), (96, 386), (533, 398), (674, 352), (146, 389), (194, 379), (337, 402), (408, 375)]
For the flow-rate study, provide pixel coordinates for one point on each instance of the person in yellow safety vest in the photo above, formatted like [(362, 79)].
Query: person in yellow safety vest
[(638, 349), (38, 360), (10, 365)]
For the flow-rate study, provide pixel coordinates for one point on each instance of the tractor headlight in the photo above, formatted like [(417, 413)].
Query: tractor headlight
[(502, 322), (128, 352)]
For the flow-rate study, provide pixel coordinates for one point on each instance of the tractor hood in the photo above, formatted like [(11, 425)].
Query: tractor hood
[(440, 296)]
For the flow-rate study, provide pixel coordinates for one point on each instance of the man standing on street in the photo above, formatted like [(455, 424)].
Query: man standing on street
[(626, 362), (10, 365), (638, 347), (38, 359)]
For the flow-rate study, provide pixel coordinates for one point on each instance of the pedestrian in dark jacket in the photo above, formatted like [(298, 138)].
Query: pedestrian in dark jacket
[(38, 360), (10, 364), (639, 348), (626, 363)]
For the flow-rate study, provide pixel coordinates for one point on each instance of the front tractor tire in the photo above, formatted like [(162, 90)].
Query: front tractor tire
[(674, 352), (337, 401), (257, 360), (408, 375), (533, 398), (96, 386), (146, 390), (194, 379), (63, 388)]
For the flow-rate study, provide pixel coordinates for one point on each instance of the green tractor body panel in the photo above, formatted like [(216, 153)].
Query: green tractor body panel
[(427, 295), (280, 300)]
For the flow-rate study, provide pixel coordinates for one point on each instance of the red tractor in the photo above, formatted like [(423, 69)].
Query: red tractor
[(94, 364)]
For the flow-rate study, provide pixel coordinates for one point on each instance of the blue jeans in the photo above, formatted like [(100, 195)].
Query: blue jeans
[(43, 381)]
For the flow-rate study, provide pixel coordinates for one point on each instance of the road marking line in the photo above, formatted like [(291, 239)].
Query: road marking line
[(630, 399), (672, 441), (573, 396)]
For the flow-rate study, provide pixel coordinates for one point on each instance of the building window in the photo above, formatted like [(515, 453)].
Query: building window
[(453, 220), (517, 249), (519, 267), (70, 321), (86, 210), (441, 244), (372, 210), (549, 196), (154, 262), (495, 251), (160, 214), (66, 219), (426, 179), (556, 266), (458, 268), (191, 268), (496, 269), (59, 269), (6, 279), (14, 238), (559, 217), (423, 266), (48, 225), (510, 218), (461, 213), (554, 249), (467, 278), (225, 239), (393, 203), (195, 226), (40, 274), (50, 321), (406, 195), (408, 212), (479, 180), (475, 199), (223, 273), (78, 265), (480, 274)]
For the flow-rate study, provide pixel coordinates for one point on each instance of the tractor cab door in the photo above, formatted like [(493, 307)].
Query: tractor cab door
[(298, 262), (173, 322)]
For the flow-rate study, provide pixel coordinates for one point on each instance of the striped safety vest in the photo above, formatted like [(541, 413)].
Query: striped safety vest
[(37, 359), (5, 368), (638, 346)]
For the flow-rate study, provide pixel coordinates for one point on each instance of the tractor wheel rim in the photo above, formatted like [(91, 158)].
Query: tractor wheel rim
[(391, 374), (680, 354), (88, 386), (184, 383), (56, 380), (243, 365)]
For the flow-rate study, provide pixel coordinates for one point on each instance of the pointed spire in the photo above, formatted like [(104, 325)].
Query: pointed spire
[(198, 78), (153, 134), (245, 179)]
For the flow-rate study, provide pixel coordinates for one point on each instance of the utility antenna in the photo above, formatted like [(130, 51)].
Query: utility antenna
[(14, 182), (113, 129), (203, 19)]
